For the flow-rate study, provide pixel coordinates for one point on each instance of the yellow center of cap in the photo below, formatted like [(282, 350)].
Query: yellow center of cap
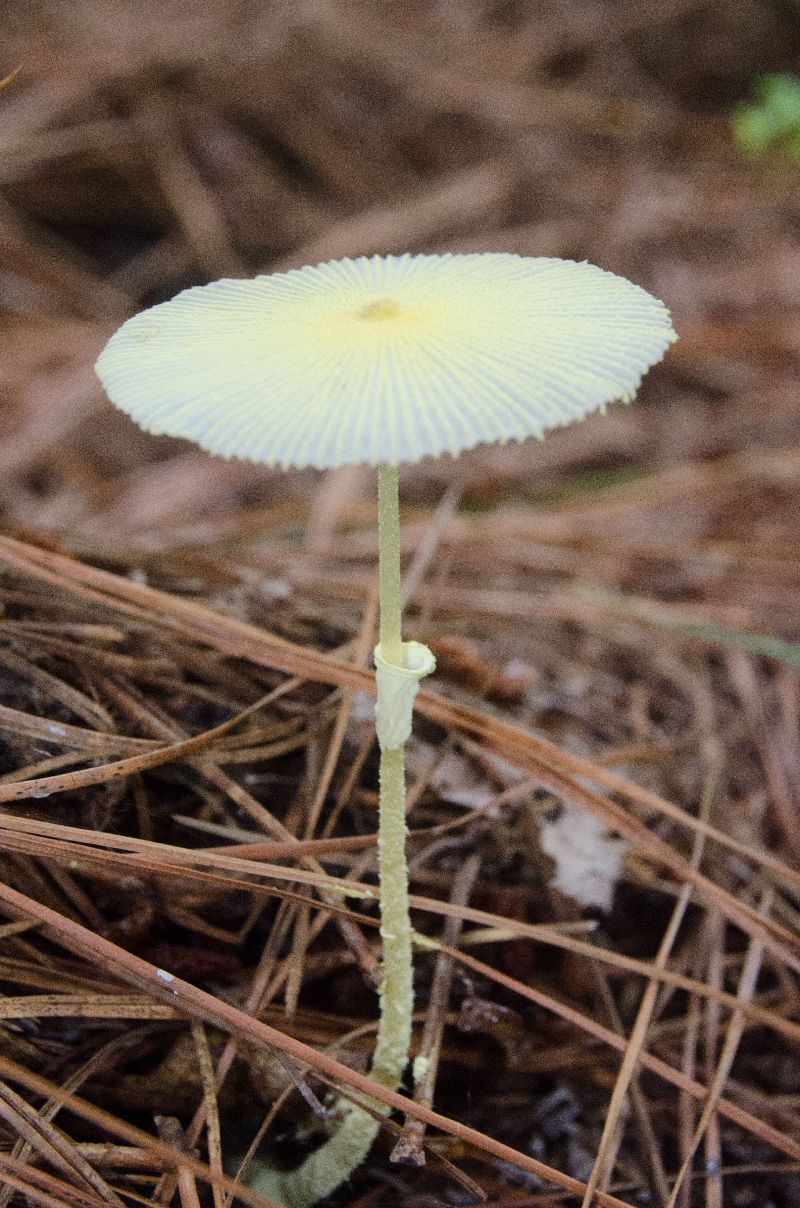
[(382, 308)]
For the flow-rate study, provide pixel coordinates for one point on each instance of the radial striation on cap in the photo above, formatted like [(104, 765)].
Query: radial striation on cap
[(385, 358)]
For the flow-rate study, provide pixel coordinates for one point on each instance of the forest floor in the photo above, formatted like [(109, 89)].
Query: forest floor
[(604, 789)]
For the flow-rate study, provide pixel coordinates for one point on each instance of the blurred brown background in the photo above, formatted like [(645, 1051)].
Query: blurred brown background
[(145, 147)]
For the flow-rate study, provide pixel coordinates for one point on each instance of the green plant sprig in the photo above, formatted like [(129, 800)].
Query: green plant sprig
[(772, 121)]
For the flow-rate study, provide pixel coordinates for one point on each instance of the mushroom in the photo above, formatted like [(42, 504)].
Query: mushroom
[(383, 359)]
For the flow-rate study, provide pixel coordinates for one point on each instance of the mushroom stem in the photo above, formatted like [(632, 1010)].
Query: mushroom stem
[(400, 666), (397, 992), (389, 563), (397, 1000)]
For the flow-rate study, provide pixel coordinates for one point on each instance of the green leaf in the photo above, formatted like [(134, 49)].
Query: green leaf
[(773, 121)]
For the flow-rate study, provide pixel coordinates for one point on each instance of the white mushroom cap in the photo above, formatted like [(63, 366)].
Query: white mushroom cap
[(385, 358)]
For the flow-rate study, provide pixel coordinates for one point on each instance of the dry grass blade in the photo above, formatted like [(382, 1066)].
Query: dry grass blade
[(409, 1148), (554, 769), (155, 756), (164, 1153), (166, 987), (210, 1108), (38, 1187), (12, 75), (52, 1146), (601, 1170), (70, 1006), (219, 1013), (765, 1132), (733, 1036), (173, 862)]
